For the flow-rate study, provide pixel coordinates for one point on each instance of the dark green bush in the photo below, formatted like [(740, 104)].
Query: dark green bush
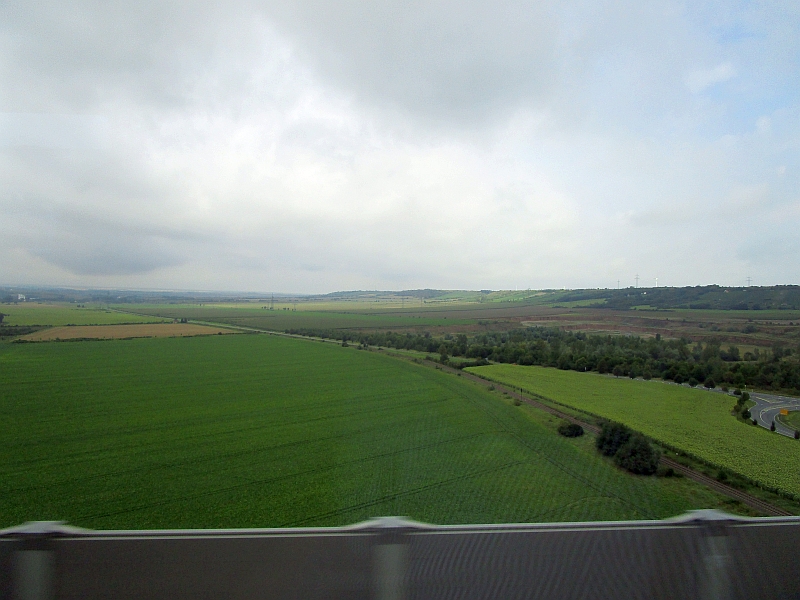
[(638, 456), (709, 383), (611, 438), (693, 382), (568, 429)]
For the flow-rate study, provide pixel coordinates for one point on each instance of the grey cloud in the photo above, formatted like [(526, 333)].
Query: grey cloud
[(83, 244), (318, 145), (447, 60)]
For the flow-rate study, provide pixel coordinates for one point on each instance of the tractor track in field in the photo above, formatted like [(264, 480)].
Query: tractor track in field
[(757, 504)]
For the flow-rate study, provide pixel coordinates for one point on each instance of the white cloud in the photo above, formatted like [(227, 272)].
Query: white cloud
[(319, 146), (700, 80)]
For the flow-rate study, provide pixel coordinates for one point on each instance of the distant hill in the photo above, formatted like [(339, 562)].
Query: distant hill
[(780, 297)]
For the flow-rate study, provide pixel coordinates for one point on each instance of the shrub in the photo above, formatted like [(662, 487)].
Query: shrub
[(722, 475), (745, 413), (638, 456), (797, 434), (709, 383), (693, 382), (737, 392), (754, 422), (745, 397), (772, 426), (568, 429), (611, 438)]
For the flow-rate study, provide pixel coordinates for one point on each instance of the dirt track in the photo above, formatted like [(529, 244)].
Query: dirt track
[(111, 332)]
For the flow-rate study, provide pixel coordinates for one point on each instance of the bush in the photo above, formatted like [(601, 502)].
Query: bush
[(611, 438), (797, 434), (745, 413), (745, 397), (638, 456), (709, 383), (693, 382), (754, 422), (722, 475), (772, 426), (737, 392), (568, 429)]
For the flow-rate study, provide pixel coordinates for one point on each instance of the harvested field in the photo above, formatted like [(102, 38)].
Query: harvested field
[(113, 332)]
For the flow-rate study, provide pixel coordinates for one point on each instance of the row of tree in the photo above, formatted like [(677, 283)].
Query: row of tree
[(623, 356)]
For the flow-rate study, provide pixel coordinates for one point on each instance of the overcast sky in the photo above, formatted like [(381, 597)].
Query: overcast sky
[(310, 146)]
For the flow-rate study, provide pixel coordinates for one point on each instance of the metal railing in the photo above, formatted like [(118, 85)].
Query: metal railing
[(702, 555)]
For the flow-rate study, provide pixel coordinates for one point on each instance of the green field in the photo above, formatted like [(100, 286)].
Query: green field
[(67, 314), (263, 431), (693, 420), (282, 320), (792, 419)]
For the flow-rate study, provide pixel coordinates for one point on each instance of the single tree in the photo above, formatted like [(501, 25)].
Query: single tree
[(568, 429), (611, 438), (638, 456)]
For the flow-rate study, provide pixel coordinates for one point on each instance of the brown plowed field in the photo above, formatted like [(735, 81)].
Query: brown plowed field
[(110, 332)]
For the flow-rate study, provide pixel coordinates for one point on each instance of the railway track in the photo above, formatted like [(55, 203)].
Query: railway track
[(756, 504)]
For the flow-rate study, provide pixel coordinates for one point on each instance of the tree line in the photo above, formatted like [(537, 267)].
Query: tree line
[(678, 360)]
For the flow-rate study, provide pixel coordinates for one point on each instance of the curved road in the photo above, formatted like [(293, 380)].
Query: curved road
[(768, 407)]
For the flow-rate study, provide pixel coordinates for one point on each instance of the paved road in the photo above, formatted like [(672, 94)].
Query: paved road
[(769, 406)]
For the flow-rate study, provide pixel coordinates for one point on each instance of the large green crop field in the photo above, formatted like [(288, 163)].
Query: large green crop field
[(282, 320), (67, 314), (694, 420), (257, 431)]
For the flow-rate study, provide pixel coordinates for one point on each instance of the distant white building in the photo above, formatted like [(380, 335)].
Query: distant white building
[(21, 297)]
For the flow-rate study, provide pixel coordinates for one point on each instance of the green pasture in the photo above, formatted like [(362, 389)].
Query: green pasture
[(281, 320), (693, 420), (264, 431), (56, 315), (792, 419)]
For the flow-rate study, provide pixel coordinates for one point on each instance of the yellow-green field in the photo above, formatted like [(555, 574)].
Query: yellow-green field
[(30, 313), (693, 420)]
